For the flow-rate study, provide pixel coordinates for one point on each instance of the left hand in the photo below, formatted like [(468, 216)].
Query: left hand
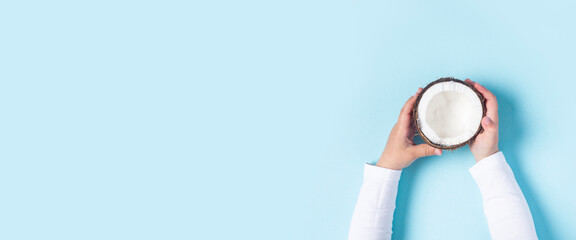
[(400, 150)]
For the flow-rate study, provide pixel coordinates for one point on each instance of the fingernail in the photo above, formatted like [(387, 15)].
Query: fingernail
[(438, 152), (487, 120)]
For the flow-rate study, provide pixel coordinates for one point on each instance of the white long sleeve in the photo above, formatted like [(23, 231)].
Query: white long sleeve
[(505, 207), (372, 218)]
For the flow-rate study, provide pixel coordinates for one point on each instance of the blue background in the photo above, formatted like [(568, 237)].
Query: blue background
[(253, 119)]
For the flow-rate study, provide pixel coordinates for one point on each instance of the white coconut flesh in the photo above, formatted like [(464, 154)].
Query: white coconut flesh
[(449, 113)]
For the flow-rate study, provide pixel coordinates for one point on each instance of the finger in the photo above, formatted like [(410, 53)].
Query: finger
[(406, 114), (491, 102), (423, 150), (469, 81), (411, 128), (418, 92), (407, 110), (489, 125)]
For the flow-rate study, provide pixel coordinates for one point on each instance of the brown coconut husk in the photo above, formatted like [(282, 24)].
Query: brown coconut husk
[(417, 124)]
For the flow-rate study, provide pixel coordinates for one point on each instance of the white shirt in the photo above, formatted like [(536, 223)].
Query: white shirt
[(505, 207)]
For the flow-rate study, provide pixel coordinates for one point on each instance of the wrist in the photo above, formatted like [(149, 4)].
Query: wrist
[(389, 164), (479, 157)]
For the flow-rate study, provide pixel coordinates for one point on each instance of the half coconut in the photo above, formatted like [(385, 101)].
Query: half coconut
[(448, 113)]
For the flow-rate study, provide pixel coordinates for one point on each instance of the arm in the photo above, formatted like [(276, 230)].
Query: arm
[(505, 207), (374, 210), (372, 218)]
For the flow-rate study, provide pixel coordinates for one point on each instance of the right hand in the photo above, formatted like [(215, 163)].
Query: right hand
[(486, 143)]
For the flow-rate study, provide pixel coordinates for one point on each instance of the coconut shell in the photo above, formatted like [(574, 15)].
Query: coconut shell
[(417, 124)]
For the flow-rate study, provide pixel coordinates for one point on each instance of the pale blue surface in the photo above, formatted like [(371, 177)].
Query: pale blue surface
[(252, 119)]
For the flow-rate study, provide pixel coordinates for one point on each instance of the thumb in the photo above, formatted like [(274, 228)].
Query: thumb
[(423, 150), (488, 124)]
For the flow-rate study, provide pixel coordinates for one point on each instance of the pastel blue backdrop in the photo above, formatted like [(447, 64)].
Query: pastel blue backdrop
[(253, 119)]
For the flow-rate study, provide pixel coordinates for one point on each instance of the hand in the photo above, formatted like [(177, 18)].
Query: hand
[(400, 150), (486, 143)]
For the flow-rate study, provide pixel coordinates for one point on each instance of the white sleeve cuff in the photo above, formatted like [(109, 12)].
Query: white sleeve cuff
[(494, 161), (373, 172)]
